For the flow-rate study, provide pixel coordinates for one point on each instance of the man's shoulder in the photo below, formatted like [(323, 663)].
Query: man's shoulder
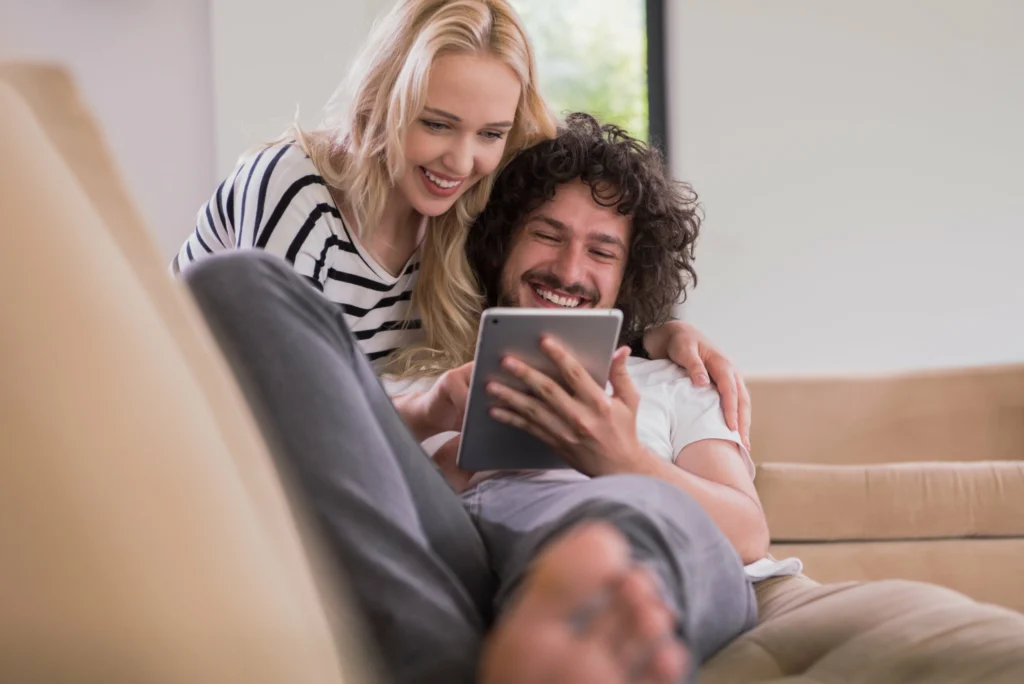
[(652, 373), (663, 378)]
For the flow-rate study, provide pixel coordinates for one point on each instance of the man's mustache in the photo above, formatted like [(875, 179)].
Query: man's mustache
[(553, 282)]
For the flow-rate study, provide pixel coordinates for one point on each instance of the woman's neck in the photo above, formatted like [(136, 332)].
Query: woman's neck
[(397, 235)]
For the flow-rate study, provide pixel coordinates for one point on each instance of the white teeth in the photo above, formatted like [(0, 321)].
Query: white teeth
[(440, 182), (567, 302)]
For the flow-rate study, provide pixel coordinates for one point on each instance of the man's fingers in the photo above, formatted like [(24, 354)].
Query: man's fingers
[(576, 376), (509, 417), (547, 391), (531, 412)]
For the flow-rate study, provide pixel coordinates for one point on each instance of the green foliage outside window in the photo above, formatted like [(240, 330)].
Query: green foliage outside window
[(592, 57)]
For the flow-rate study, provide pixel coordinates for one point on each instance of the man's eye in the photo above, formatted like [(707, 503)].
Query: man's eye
[(602, 255), (547, 236)]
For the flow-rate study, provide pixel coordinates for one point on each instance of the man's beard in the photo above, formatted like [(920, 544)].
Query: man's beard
[(509, 295)]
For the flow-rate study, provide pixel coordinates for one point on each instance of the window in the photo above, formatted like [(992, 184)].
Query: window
[(604, 57)]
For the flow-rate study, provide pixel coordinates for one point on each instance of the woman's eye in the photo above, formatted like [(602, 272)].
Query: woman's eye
[(493, 135), (435, 125)]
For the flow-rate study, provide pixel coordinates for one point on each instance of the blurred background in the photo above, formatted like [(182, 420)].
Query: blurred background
[(859, 163)]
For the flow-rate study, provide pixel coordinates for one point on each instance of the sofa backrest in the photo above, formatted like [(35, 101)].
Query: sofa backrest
[(956, 415), (145, 533)]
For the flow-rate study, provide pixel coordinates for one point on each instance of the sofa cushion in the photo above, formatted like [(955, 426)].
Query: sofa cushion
[(985, 569), (807, 502), (892, 632), (952, 415)]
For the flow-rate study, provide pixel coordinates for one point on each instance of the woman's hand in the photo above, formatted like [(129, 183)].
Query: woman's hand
[(446, 400), (689, 349), (446, 458), (439, 409), (594, 432)]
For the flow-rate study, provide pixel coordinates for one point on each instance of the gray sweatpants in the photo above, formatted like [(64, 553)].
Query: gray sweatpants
[(412, 554)]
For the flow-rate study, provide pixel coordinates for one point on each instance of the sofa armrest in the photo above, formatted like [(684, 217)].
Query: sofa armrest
[(961, 415)]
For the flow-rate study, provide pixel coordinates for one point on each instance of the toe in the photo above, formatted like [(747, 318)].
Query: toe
[(640, 629), (669, 663), (649, 616), (575, 569)]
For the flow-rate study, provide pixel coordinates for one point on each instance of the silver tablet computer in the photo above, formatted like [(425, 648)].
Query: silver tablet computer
[(590, 334)]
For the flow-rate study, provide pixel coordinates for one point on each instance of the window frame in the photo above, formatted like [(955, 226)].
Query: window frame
[(657, 90)]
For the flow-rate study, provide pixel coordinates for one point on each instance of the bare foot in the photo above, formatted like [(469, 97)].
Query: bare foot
[(585, 615)]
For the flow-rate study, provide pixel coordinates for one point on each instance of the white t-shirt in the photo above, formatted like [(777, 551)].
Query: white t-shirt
[(672, 414), (277, 201)]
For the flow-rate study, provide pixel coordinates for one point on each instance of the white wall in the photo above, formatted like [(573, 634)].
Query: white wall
[(271, 56), (862, 168), (144, 69)]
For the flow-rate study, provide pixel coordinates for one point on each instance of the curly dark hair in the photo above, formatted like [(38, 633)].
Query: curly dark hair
[(622, 172)]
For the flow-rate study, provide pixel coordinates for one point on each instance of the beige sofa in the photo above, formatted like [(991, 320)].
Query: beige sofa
[(918, 476), (146, 536)]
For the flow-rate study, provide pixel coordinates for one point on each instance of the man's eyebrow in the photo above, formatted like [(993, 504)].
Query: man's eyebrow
[(553, 222), (605, 238), (448, 115)]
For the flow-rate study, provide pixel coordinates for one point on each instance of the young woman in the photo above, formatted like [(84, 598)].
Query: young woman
[(373, 207)]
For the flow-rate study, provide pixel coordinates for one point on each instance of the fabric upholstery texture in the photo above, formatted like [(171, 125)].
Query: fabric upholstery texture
[(145, 533), (916, 476), (872, 633)]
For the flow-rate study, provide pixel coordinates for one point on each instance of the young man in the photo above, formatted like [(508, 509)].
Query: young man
[(599, 580), (590, 219)]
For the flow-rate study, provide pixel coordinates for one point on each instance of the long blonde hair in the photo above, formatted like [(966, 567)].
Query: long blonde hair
[(358, 149)]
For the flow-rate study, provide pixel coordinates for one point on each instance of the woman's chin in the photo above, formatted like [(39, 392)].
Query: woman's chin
[(433, 206)]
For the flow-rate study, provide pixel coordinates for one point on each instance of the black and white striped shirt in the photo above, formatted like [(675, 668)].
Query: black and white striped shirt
[(276, 200)]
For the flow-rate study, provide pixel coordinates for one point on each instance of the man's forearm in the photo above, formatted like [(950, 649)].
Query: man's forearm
[(739, 517)]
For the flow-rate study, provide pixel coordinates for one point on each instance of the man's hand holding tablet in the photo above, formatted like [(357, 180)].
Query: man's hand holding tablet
[(595, 432), (580, 360)]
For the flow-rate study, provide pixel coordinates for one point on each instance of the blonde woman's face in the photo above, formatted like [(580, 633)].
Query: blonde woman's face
[(460, 135)]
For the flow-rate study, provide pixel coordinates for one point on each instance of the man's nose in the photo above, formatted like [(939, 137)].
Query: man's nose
[(458, 160), (569, 265)]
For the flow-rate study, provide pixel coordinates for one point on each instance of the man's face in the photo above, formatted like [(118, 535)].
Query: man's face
[(569, 253)]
